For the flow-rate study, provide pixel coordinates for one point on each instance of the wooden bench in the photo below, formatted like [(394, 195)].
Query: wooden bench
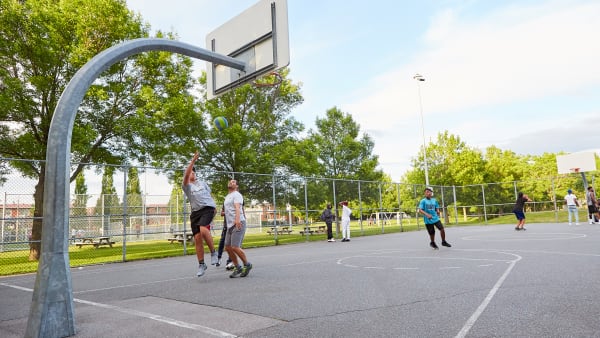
[(178, 237), (97, 242), (321, 229), (280, 230)]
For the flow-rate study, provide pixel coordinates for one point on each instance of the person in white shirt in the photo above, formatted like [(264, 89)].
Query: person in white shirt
[(572, 204), (346, 212)]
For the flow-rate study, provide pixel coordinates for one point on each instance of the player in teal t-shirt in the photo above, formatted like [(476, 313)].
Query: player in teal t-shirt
[(429, 208)]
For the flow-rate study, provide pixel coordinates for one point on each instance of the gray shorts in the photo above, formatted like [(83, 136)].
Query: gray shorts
[(235, 236)]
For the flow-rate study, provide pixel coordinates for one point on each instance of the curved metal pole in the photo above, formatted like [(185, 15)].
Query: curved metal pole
[(51, 312)]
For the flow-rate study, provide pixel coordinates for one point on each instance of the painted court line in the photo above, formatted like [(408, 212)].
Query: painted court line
[(471, 321), (158, 318)]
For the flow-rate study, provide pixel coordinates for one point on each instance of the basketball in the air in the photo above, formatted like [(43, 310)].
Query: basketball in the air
[(220, 123)]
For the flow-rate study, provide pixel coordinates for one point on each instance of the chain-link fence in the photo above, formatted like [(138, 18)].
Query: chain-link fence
[(136, 209)]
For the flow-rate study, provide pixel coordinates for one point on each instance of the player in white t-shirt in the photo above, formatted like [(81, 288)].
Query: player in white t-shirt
[(572, 204)]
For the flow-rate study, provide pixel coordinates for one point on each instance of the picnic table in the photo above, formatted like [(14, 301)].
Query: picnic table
[(95, 241), (180, 237), (284, 229), (319, 229)]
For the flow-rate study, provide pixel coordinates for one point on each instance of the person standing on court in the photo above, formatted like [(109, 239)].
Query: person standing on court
[(346, 212), (203, 211), (519, 210), (327, 217), (430, 208), (592, 203), (572, 204), (236, 229)]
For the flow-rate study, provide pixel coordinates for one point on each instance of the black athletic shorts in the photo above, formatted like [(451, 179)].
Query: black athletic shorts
[(430, 228), (202, 217)]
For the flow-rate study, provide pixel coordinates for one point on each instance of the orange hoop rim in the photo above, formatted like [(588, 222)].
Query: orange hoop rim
[(276, 75), (575, 170)]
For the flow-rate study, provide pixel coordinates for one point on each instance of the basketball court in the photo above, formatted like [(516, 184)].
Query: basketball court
[(494, 281)]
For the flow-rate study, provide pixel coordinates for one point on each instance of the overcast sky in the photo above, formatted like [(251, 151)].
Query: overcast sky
[(522, 75)]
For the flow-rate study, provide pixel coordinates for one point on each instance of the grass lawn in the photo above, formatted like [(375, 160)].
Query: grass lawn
[(16, 261)]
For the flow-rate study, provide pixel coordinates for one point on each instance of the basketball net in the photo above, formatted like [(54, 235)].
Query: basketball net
[(272, 79)]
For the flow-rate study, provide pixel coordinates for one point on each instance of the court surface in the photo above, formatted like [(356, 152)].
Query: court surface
[(493, 282)]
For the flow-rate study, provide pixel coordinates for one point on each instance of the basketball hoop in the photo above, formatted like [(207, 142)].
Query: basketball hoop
[(273, 79), (574, 170)]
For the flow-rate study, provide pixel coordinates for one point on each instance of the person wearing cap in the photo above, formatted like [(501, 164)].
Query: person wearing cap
[(572, 204), (203, 211), (346, 212), (430, 208)]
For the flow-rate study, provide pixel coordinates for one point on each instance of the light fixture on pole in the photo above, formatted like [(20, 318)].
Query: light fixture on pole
[(420, 79)]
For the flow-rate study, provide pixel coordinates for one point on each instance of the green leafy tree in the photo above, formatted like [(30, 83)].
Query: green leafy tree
[(135, 203), (108, 205), (344, 153), (42, 45), (81, 197)]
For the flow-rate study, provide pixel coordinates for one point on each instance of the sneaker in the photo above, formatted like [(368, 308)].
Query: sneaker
[(444, 243), (213, 258), (229, 266), (576, 223), (218, 262), (433, 245), (201, 269), (344, 240), (347, 239), (517, 228), (523, 228), (236, 272), (246, 269)]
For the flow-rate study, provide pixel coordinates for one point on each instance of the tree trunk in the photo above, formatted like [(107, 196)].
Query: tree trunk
[(35, 244)]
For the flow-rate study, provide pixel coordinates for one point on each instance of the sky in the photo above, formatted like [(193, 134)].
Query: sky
[(522, 75)]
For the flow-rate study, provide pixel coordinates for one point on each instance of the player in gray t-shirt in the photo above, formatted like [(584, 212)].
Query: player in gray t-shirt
[(203, 211)]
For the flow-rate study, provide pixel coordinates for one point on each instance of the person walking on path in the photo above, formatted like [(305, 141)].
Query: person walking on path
[(430, 208), (346, 212), (236, 229), (592, 204), (572, 205), (519, 210), (327, 217), (203, 211)]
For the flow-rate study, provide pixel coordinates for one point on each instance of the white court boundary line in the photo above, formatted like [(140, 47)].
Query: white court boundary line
[(147, 315), (471, 321)]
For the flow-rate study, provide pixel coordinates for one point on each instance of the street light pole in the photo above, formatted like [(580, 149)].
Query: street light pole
[(419, 79)]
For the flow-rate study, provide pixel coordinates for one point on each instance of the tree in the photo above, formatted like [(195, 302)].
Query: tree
[(135, 203), (81, 196), (108, 203), (343, 153), (262, 137), (42, 44)]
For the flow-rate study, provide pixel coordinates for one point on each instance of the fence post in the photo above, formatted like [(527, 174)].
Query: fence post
[(484, 206), (362, 231), (125, 213), (275, 212), (455, 205), (555, 205)]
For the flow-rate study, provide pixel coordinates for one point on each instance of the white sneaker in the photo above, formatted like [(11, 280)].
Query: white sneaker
[(576, 223), (213, 258), (201, 270), (229, 266), (332, 240)]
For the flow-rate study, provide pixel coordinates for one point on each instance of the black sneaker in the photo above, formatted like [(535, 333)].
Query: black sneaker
[(246, 269), (433, 245), (444, 243), (517, 228), (236, 272)]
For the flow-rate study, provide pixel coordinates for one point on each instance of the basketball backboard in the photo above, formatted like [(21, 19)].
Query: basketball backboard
[(258, 36), (576, 162)]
